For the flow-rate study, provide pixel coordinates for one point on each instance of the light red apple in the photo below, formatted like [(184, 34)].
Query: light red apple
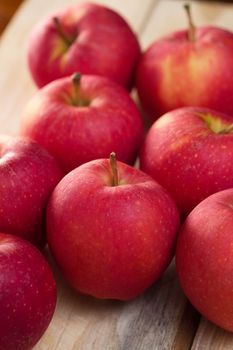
[(204, 258), (189, 151), (88, 38), (78, 119), (187, 68), (28, 294), (111, 229), (28, 175)]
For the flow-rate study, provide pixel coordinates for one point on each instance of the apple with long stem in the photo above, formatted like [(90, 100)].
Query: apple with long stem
[(81, 118), (28, 294), (191, 67), (111, 229), (88, 38)]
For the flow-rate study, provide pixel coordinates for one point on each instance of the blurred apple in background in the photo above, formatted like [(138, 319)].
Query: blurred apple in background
[(78, 119), (204, 258), (189, 151), (28, 175), (88, 38), (187, 68), (111, 229), (28, 294)]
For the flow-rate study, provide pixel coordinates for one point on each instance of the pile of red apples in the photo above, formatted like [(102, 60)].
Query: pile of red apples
[(69, 178)]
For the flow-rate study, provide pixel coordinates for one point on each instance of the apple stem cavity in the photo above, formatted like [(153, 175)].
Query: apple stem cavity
[(227, 130), (77, 100), (192, 28), (215, 125), (113, 164), (61, 32)]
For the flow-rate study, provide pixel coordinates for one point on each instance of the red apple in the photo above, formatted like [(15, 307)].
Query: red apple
[(88, 38), (111, 229), (204, 258), (28, 294), (78, 121), (187, 68), (189, 151), (28, 175)]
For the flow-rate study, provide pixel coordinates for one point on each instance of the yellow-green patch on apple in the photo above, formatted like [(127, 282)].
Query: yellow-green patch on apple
[(215, 124)]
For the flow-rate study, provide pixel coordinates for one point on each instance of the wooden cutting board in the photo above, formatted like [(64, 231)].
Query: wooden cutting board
[(161, 318)]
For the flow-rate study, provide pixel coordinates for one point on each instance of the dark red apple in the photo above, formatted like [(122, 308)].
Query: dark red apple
[(187, 68), (28, 175), (27, 294), (81, 120), (204, 258), (189, 151), (111, 229), (87, 38)]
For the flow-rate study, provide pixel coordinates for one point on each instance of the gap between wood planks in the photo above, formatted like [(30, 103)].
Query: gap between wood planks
[(190, 320), (148, 15)]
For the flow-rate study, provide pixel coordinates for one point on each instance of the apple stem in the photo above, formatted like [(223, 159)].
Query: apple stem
[(61, 31), (192, 28), (113, 164), (76, 78)]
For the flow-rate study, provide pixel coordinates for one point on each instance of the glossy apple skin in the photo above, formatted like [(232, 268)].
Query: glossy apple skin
[(28, 175), (75, 135), (187, 158), (175, 73), (111, 242), (204, 258), (28, 294), (104, 44)]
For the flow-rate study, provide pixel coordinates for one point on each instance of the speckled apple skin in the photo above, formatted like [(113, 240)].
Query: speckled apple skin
[(187, 158), (204, 258), (104, 45), (111, 242), (174, 72), (28, 175), (75, 135), (28, 294)]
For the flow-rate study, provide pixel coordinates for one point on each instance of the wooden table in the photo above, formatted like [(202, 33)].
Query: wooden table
[(161, 318)]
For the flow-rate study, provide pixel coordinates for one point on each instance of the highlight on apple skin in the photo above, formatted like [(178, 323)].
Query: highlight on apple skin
[(111, 229), (191, 67), (204, 258), (28, 175), (189, 151), (81, 118), (28, 294), (88, 38)]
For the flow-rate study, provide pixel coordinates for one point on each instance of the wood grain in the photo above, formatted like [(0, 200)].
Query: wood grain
[(160, 319), (187, 329), (148, 322), (210, 337)]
